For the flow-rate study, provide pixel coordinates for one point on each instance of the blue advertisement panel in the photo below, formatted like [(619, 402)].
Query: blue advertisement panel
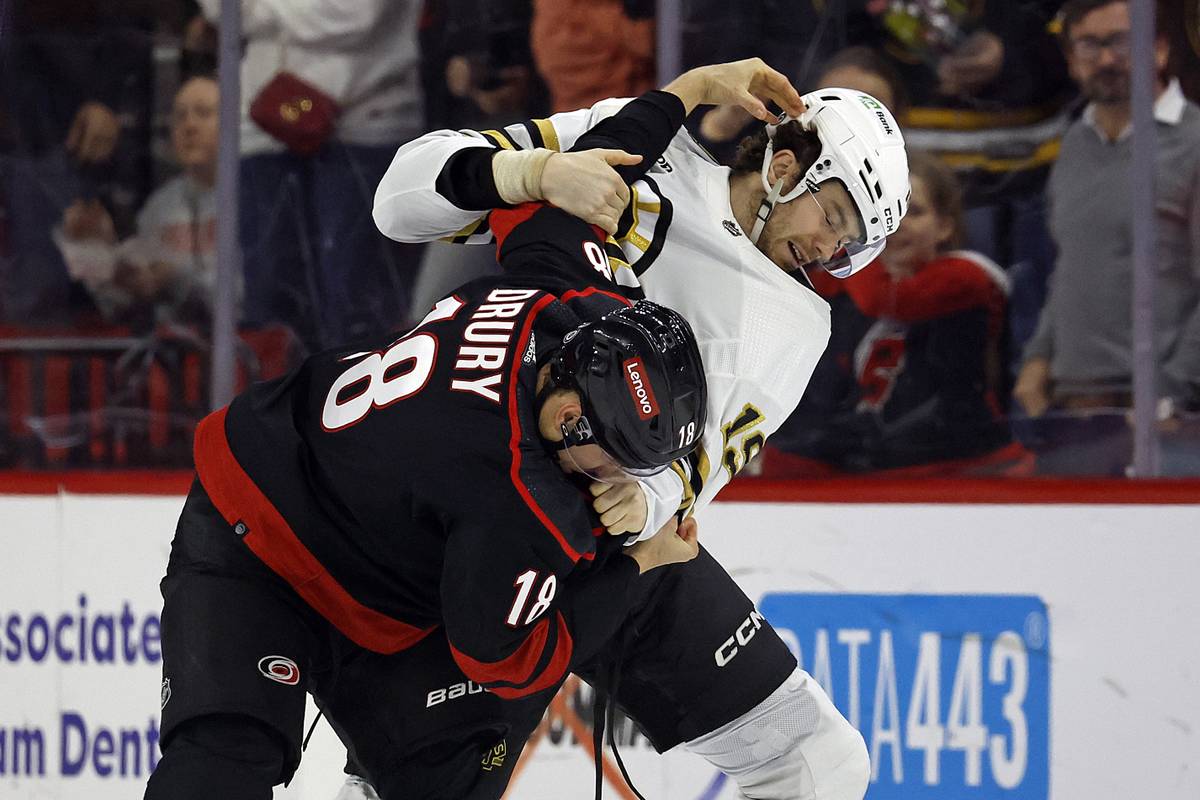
[(950, 692)]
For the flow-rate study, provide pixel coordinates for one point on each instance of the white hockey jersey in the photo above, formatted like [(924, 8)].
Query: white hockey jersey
[(760, 331)]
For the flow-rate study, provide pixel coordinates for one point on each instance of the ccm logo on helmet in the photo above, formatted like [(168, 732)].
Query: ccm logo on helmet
[(280, 669), (639, 389)]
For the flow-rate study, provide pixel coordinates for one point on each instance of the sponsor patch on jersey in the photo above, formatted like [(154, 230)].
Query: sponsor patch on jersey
[(280, 669), (639, 388)]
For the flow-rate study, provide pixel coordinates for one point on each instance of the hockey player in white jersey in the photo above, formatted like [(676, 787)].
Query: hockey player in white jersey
[(824, 185)]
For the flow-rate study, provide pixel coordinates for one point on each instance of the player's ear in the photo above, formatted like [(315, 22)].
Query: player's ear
[(559, 408), (782, 163), (570, 410)]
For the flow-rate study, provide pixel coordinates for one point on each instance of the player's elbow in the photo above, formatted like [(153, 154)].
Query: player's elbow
[(537, 663), (388, 216)]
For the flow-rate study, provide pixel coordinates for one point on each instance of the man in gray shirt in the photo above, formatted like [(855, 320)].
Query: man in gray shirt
[(1080, 358)]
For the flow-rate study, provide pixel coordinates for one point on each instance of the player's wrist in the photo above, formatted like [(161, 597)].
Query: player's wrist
[(690, 87), (518, 174), (641, 558)]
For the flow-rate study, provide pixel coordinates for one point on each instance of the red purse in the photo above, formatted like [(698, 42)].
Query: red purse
[(295, 112)]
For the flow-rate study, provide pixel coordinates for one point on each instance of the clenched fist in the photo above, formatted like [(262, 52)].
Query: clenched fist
[(675, 543), (621, 506)]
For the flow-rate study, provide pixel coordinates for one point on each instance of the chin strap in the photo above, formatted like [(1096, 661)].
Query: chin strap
[(764, 210)]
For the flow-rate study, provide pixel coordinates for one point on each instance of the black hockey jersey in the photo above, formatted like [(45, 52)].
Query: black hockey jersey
[(400, 484)]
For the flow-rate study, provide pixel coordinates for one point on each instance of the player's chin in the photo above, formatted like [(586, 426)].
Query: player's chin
[(785, 256)]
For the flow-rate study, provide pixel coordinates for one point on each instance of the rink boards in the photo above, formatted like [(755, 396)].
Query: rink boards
[(1015, 651)]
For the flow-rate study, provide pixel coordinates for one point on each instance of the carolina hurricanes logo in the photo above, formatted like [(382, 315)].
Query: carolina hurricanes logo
[(639, 388), (280, 669)]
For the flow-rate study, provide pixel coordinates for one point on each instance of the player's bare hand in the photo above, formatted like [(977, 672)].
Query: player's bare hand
[(585, 185), (621, 506), (1032, 389), (749, 83), (93, 134), (675, 543)]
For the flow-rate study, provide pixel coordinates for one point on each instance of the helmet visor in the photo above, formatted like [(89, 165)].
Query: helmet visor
[(582, 453), (853, 257)]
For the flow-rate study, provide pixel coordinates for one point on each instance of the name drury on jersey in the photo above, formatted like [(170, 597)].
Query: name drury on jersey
[(491, 332)]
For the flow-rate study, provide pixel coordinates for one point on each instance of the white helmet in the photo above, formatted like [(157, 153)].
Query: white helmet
[(861, 146)]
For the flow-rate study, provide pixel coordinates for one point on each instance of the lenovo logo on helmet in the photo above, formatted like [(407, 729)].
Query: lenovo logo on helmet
[(639, 388)]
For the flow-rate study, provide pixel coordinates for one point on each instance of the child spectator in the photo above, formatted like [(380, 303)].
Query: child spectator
[(164, 272), (914, 363)]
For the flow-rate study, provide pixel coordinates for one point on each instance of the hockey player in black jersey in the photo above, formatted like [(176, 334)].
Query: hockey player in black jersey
[(403, 513)]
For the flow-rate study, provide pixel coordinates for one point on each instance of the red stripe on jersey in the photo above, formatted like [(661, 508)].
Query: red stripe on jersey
[(514, 443), (270, 538), (518, 667), (591, 290), (503, 220)]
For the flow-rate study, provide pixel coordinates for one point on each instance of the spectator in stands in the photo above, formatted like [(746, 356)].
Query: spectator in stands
[(477, 64), (862, 68), (913, 367), (1080, 359), (312, 257), (587, 50), (479, 74), (857, 67), (988, 88), (75, 96), (989, 91), (165, 272), (795, 37)]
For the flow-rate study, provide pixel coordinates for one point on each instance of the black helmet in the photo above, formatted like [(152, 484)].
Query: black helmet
[(642, 386)]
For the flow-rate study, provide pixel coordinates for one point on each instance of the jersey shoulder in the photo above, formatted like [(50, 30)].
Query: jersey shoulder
[(506, 477)]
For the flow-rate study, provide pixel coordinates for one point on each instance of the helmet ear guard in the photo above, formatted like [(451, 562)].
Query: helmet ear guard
[(863, 149)]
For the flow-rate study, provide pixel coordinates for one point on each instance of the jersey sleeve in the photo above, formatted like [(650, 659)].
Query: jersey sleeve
[(517, 614), (463, 187), (418, 200)]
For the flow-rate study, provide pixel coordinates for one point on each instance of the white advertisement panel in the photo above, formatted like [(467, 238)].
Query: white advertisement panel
[(984, 651)]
